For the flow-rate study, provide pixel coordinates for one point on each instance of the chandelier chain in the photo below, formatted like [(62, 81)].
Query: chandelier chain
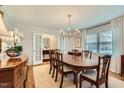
[(69, 19)]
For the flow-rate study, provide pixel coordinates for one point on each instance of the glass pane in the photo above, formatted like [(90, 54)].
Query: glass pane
[(92, 38), (92, 42), (105, 42), (92, 47), (106, 36)]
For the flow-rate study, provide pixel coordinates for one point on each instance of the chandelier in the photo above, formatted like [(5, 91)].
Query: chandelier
[(69, 32)]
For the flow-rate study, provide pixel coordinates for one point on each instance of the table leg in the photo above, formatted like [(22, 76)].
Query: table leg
[(76, 78)]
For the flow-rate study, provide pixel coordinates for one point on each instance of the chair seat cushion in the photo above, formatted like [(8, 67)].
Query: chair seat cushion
[(66, 68), (91, 74)]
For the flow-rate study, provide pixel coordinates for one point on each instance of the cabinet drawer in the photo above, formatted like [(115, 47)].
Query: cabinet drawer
[(6, 78)]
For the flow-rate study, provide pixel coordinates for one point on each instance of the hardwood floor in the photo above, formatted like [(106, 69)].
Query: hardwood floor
[(31, 83), (117, 76)]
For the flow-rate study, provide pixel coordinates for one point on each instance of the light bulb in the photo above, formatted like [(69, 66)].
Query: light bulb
[(69, 29), (63, 33), (76, 29), (60, 32)]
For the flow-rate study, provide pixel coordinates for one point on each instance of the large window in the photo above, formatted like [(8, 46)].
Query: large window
[(100, 42)]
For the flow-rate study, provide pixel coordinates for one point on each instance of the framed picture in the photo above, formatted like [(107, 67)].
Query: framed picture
[(78, 42), (46, 42)]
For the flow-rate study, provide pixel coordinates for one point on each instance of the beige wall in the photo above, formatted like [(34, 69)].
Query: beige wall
[(28, 38)]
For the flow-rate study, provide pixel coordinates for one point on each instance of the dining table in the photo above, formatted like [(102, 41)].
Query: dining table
[(78, 64)]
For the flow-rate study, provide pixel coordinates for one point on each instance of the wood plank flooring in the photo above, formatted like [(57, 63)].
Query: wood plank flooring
[(30, 81)]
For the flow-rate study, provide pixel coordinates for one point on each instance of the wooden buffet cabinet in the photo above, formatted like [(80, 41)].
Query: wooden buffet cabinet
[(46, 54), (122, 65), (0, 45), (13, 72)]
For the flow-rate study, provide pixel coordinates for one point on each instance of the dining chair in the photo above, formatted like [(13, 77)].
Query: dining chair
[(100, 73), (61, 68), (51, 56), (53, 65), (76, 52), (87, 54)]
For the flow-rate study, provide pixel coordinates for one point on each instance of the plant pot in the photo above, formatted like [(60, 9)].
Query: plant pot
[(12, 53)]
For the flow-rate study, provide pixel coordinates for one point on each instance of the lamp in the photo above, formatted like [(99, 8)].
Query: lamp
[(69, 32), (3, 30)]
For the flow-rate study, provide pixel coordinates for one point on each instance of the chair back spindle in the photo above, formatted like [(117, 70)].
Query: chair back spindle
[(59, 58), (87, 54)]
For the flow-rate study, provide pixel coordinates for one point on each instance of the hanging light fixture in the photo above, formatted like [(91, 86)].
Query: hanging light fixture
[(69, 32), (3, 30)]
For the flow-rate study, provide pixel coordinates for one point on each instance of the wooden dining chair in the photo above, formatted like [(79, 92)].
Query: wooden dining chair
[(87, 54), (53, 65), (61, 68), (76, 52), (51, 56), (99, 75)]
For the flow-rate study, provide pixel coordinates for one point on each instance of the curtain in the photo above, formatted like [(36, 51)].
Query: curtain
[(118, 43), (84, 38), (61, 43)]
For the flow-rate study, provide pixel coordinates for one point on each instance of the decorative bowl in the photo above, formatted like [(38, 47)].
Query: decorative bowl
[(12, 53)]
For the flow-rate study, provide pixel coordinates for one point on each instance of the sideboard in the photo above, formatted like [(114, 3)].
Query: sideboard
[(0, 45), (46, 55), (122, 65), (13, 72)]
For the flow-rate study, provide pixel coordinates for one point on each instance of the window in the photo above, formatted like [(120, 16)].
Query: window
[(100, 42)]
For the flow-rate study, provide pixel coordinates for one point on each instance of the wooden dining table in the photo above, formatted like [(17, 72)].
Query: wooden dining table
[(78, 63)]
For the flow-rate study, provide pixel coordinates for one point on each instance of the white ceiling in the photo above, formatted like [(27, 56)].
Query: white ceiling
[(55, 17)]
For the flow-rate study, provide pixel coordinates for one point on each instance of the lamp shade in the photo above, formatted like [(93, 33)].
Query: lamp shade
[(3, 30)]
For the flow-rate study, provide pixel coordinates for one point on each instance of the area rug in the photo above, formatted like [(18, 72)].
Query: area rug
[(44, 80)]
